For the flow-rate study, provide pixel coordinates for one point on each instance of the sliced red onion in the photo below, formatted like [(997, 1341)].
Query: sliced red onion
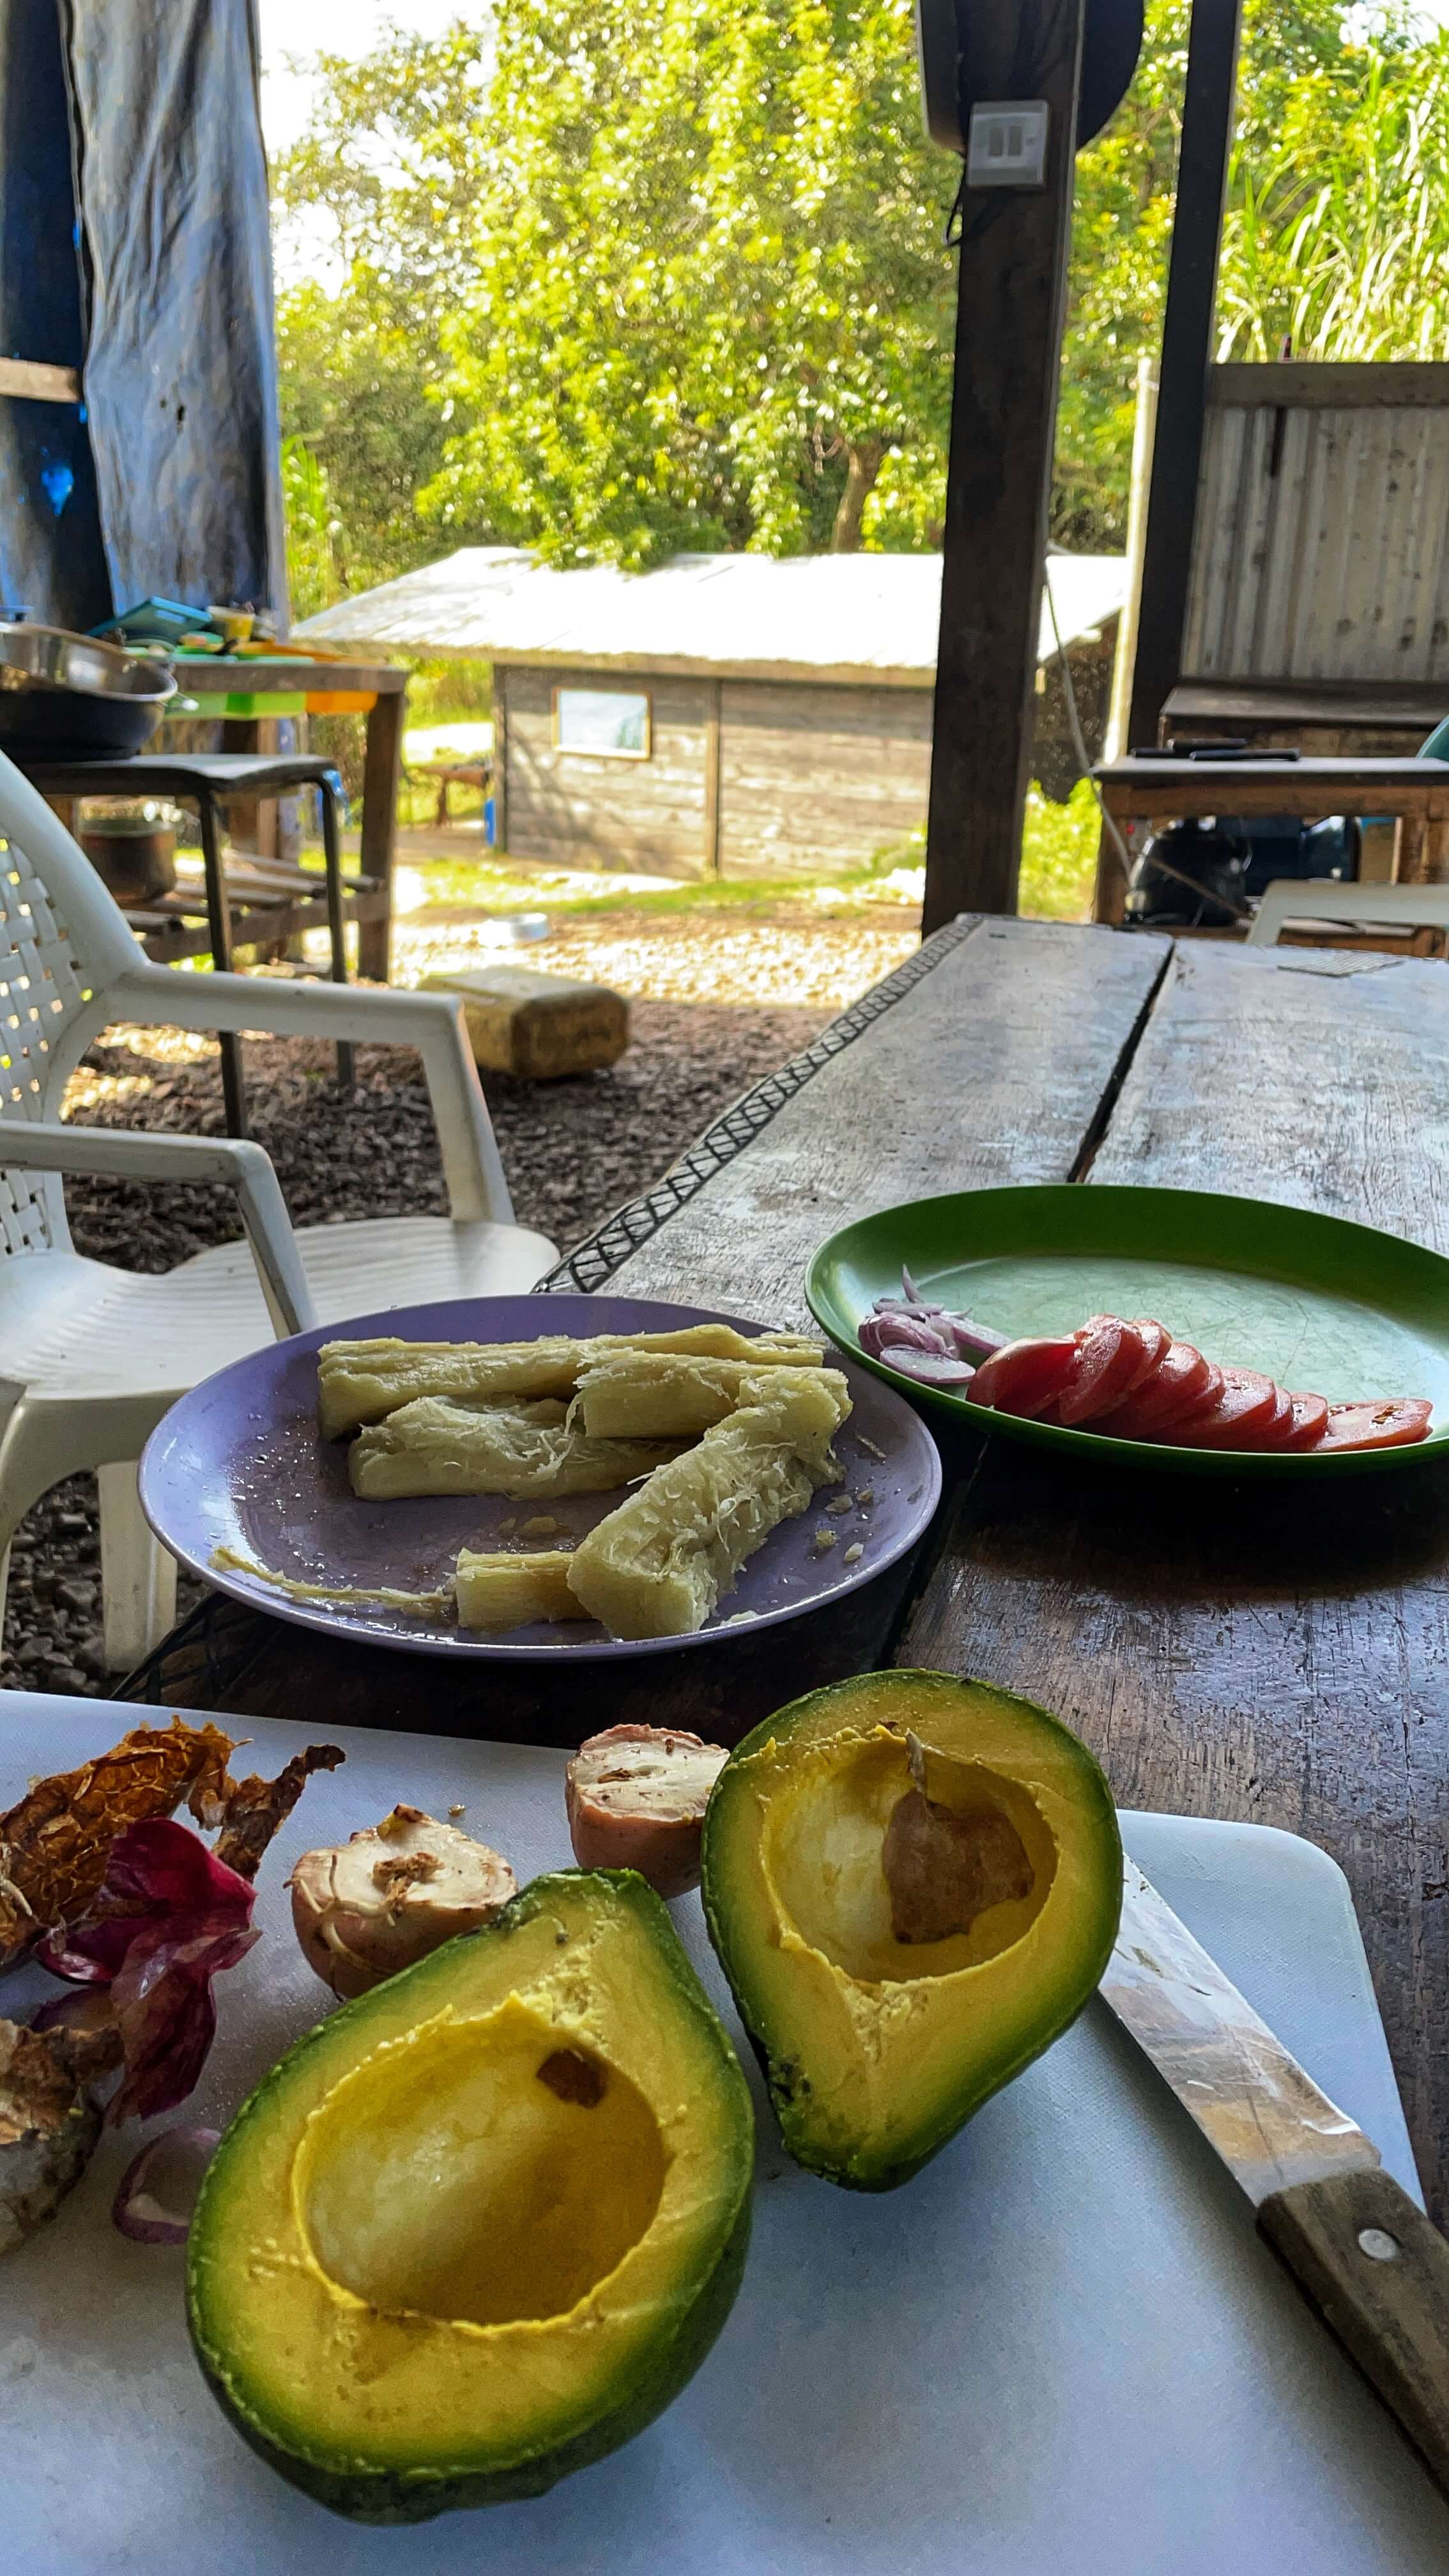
[(882, 1334), (931, 1368), (976, 1341), (158, 2189), (909, 1285)]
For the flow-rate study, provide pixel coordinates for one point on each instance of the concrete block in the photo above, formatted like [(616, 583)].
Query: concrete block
[(536, 1025)]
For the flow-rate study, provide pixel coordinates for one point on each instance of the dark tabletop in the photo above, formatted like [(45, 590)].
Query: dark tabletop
[(1272, 1652)]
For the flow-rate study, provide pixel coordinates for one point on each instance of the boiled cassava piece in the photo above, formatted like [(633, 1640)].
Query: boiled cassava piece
[(659, 1563), (360, 1382), (439, 1445), (480, 2226), (913, 1884)]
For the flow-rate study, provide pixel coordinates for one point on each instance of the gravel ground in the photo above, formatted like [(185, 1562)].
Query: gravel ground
[(573, 1150)]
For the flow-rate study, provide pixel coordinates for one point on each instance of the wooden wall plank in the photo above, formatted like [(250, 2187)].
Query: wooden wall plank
[(567, 808), (819, 776), (1275, 1653), (1325, 385), (32, 380)]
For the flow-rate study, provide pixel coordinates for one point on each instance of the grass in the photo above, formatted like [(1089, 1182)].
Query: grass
[(1058, 863)]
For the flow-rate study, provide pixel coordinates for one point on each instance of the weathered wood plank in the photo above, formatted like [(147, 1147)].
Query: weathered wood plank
[(1273, 1653), (34, 380), (1320, 1080), (1331, 385), (992, 1069)]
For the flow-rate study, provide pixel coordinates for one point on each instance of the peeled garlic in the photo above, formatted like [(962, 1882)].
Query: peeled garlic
[(390, 1895), (636, 1800)]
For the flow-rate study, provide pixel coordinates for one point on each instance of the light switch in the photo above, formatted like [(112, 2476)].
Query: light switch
[(1007, 144)]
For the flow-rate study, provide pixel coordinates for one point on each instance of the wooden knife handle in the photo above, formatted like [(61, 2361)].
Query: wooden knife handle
[(1379, 2271)]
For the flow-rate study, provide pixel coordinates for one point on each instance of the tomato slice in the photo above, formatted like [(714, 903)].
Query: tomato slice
[(1248, 1406), (1277, 1433), (1310, 1421), (1157, 1342), (1111, 1358), (1026, 1376), (1395, 1423), (1185, 1384)]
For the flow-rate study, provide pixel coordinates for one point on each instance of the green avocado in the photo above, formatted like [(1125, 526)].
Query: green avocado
[(913, 1884), (483, 2224)]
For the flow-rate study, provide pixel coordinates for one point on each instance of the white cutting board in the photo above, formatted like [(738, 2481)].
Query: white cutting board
[(1062, 2346)]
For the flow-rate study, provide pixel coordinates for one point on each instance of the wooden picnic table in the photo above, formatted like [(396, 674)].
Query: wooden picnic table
[(1272, 1652)]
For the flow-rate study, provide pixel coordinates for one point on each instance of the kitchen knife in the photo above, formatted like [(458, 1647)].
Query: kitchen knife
[(1366, 2256)]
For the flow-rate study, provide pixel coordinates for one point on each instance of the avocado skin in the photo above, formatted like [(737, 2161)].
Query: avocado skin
[(368, 2496), (400, 2496), (788, 2088)]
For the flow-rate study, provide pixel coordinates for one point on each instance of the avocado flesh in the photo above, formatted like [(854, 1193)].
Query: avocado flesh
[(480, 2226), (877, 2050)]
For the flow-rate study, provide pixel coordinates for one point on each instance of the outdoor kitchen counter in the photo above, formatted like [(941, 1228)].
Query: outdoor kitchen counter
[(1274, 1652)]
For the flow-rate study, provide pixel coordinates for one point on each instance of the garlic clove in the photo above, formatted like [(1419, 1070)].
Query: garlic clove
[(636, 1799), (378, 1903)]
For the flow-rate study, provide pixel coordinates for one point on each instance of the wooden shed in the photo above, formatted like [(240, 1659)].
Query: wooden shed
[(729, 715)]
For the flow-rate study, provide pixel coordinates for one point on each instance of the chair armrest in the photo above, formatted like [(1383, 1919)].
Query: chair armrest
[(431, 1023), (120, 1155)]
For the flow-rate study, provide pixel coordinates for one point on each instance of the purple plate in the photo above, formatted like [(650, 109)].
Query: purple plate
[(240, 1463)]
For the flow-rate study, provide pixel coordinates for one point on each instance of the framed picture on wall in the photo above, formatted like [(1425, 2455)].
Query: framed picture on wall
[(605, 724)]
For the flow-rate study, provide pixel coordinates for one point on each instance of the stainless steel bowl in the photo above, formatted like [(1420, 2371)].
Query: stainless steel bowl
[(68, 696)]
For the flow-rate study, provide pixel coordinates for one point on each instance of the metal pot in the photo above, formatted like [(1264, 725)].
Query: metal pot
[(70, 697), (136, 861)]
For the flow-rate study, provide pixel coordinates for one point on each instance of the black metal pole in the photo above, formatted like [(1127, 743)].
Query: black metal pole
[(1187, 341)]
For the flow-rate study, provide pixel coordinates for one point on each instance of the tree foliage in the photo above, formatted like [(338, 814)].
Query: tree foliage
[(624, 277)]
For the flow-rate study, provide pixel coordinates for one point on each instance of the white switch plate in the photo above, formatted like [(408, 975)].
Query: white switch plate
[(1007, 144)]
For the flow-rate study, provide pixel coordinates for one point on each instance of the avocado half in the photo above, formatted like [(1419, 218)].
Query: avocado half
[(483, 2224), (913, 1883)]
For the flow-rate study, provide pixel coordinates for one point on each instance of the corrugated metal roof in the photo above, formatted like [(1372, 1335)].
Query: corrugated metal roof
[(1322, 539), (836, 617)]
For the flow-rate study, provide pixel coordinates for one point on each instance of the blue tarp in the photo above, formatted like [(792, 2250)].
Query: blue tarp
[(136, 244)]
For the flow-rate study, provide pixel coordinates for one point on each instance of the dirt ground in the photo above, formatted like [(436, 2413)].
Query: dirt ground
[(720, 999)]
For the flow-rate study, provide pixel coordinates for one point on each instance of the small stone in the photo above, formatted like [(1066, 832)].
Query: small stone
[(78, 1598)]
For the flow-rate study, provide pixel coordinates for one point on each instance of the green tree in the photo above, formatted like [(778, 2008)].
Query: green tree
[(712, 287), (381, 187), (626, 277)]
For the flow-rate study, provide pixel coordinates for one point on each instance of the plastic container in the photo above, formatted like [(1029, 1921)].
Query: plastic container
[(208, 707), (153, 621)]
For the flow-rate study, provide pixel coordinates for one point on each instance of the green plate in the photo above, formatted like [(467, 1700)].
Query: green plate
[(1323, 1306)]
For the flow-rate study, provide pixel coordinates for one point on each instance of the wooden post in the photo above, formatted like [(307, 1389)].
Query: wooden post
[(382, 761), (1192, 277), (713, 693), (1010, 301), (500, 758)]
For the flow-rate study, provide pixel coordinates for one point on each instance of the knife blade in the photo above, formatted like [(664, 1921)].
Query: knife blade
[(1359, 2248)]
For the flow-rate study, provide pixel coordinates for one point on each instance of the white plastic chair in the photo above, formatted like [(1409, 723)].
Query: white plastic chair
[(1361, 907), (90, 1356)]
